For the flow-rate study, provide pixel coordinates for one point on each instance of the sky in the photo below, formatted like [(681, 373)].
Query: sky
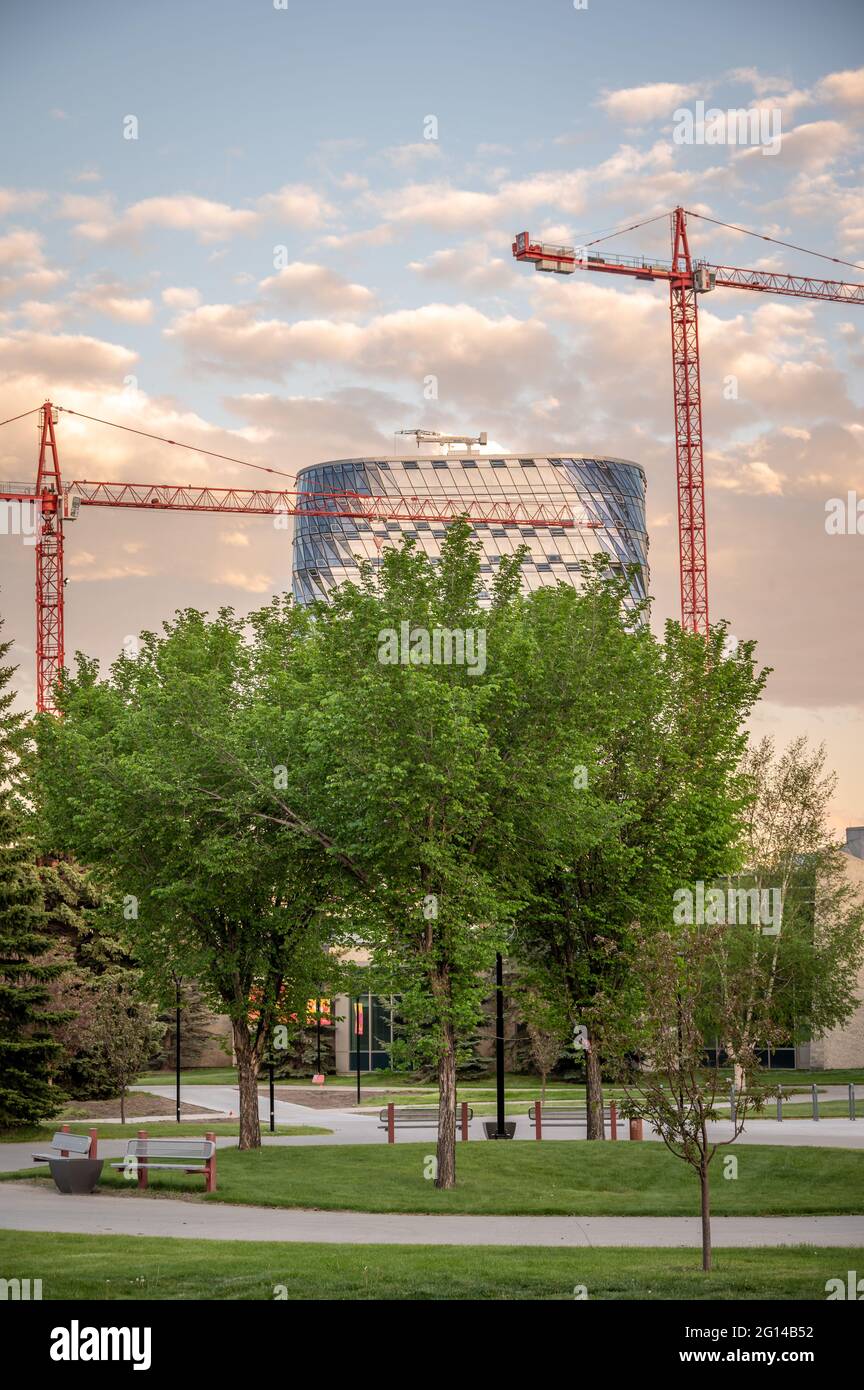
[(263, 228)]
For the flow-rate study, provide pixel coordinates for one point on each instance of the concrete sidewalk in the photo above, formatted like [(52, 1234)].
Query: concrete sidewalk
[(36, 1209)]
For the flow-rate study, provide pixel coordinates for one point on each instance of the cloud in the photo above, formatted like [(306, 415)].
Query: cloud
[(407, 156), (843, 88), (75, 358), (469, 351), (470, 265), (178, 298), (295, 205), (368, 236), (19, 200), (816, 143), (304, 285), (107, 297), (22, 256), (652, 101), (250, 583)]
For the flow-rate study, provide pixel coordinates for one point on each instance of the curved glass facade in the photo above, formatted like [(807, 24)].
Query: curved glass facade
[(509, 486)]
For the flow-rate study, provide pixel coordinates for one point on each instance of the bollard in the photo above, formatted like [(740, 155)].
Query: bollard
[(465, 1121), (635, 1129), (538, 1119), (613, 1119), (94, 1143), (391, 1123), (64, 1153), (141, 1169), (815, 1102), (852, 1100)]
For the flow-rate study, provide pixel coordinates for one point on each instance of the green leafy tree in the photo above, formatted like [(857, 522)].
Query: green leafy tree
[(28, 1049), (791, 957), (122, 1031), (662, 724), (143, 777), (658, 1055), (430, 780)]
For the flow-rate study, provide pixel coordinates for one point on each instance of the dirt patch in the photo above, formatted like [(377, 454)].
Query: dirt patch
[(317, 1098), (137, 1103)]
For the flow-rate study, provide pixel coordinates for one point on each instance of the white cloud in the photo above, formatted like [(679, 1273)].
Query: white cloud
[(652, 101), (305, 285), (19, 200), (176, 297), (844, 88), (407, 156), (295, 205), (470, 264), (250, 583), (816, 143), (108, 298)]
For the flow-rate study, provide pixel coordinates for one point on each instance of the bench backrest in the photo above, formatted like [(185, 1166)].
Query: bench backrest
[(418, 1112), (72, 1143), (170, 1148), (566, 1110)]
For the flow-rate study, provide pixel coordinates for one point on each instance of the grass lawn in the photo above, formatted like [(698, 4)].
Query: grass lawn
[(143, 1267), (162, 1129), (555, 1177), (515, 1081), (803, 1110)]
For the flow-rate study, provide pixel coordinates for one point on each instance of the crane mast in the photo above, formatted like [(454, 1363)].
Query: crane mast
[(687, 280)]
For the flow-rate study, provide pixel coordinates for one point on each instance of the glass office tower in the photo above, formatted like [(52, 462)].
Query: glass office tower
[(604, 498)]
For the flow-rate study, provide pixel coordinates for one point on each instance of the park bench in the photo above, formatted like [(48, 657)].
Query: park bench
[(178, 1155), (419, 1117), (571, 1113), (65, 1145)]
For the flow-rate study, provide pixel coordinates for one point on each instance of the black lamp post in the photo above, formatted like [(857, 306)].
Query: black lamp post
[(178, 980), (499, 1044), (500, 1128)]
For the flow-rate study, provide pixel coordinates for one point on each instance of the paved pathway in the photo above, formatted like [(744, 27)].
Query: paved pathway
[(37, 1209)]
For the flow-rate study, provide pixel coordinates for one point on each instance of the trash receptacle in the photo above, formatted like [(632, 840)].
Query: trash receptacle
[(76, 1175)]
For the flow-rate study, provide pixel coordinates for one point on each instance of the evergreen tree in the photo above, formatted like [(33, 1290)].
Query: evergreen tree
[(27, 1050)]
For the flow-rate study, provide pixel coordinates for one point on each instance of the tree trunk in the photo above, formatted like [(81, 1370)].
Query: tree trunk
[(446, 1176), (704, 1181), (122, 1107), (543, 1087), (594, 1096), (247, 1080)]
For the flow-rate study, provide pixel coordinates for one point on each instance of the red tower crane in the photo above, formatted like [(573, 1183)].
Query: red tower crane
[(687, 279), (56, 503)]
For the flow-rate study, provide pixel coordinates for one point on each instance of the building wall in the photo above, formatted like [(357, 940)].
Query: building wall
[(844, 1047), (606, 491)]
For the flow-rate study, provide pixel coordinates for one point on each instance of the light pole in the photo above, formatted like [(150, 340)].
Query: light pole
[(499, 1045), (178, 980)]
